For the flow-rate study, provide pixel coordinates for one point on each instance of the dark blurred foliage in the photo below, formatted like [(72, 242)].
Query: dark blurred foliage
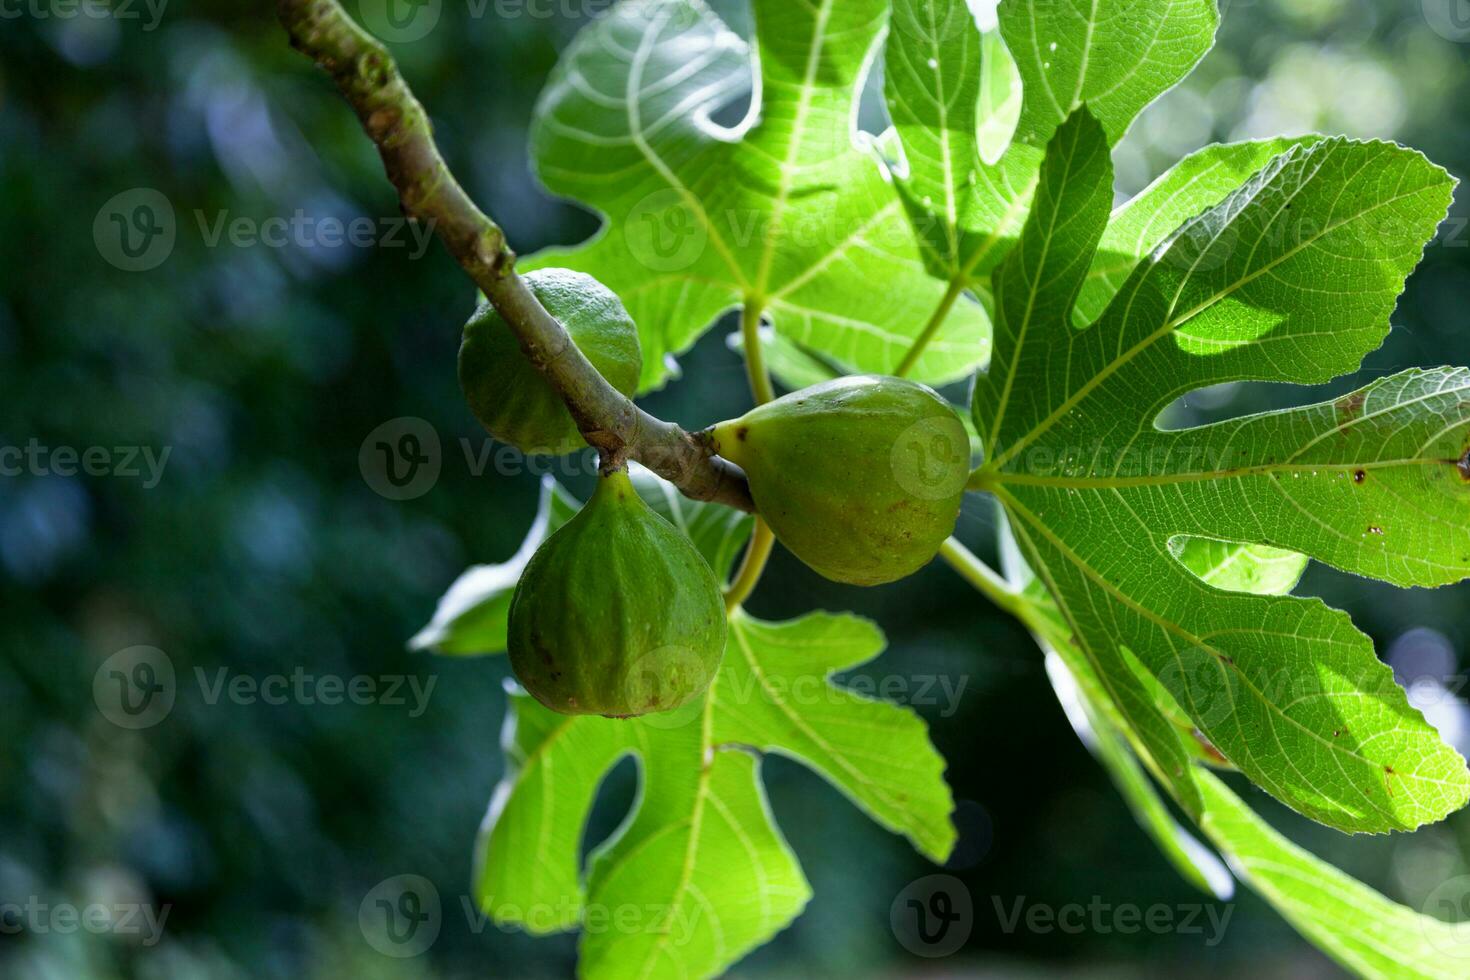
[(264, 552)]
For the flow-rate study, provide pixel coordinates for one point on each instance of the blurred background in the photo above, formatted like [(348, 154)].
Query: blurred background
[(184, 420)]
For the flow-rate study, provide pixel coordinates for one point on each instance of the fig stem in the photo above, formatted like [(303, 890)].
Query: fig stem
[(980, 575), (367, 76), (757, 553), (755, 356), (762, 539), (941, 313)]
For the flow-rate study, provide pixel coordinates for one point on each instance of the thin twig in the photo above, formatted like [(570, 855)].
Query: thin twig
[(393, 119)]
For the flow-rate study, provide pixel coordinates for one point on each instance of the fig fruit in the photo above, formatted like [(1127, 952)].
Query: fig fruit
[(510, 397), (617, 613), (861, 477)]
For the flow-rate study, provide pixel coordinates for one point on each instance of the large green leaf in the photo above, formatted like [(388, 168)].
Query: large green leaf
[(967, 212), (1197, 183), (1291, 278), (1364, 931), (790, 212), (948, 89), (1116, 56), (699, 874)]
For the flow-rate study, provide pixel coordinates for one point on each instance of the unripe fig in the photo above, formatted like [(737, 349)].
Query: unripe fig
[(617, 614), (860, 477), (512, 400)]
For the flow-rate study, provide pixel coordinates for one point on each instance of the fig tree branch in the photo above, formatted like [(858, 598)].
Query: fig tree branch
[(393, 119)]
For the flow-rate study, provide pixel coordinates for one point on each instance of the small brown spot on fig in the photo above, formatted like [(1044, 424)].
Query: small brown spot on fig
[(742, 432), (1360, 477)]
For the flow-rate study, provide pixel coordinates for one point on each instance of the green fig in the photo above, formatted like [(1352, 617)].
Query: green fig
[(617, 613), (861, 478), (510, 397)]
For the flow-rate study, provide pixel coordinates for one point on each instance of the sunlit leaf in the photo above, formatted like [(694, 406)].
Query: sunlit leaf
[(1116, 56), (792, 213), (699, 873), (1363, 930), (1292, 277)]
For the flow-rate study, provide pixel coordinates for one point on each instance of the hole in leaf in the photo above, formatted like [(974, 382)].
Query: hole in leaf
[(1235, 567)]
